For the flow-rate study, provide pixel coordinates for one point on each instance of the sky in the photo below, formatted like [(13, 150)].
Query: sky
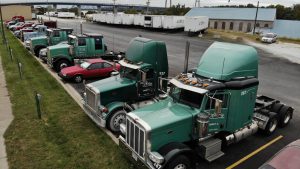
[(189, 3)]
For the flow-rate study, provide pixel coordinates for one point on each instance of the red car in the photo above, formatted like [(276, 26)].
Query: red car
[(90, 68), (286, 158), (25, 25)]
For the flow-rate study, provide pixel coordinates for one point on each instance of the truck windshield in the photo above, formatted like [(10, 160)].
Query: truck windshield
[(129, 73), (187, 97), (48, 33), (71, 41)]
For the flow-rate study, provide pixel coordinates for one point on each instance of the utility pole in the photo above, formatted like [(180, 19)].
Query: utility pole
[(114, 6), (166, 3), (48, 9), (197, 3), (255, 20), (148, 4), (2, 27)]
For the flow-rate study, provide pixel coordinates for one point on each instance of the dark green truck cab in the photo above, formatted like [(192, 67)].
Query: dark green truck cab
[(107, 101), (78, 47), (217, 103), (53, 37)]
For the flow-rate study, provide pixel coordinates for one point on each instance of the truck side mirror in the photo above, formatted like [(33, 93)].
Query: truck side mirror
[(218, 106)]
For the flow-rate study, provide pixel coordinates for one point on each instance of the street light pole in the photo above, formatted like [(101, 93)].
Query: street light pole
[(48, 9), (255, 20)]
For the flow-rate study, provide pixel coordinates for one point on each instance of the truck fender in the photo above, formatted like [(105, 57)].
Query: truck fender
[(38, 47), (115, 106), (59, 58), (172, 150)]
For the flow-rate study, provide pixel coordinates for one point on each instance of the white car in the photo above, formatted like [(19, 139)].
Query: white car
[(269, 38)]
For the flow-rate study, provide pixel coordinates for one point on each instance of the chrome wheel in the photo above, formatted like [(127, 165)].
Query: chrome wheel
[(116, 119), (180, 166), (273, 125), (63, 65), (78, 79), (287, 117)]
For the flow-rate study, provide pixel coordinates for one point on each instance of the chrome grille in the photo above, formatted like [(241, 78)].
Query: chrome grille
[(91, 99), (135, 138)]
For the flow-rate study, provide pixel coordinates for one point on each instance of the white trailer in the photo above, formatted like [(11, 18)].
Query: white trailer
[(102, 18), (195, 24), (66, 15), (139, 20), (127, 19), (118, 18), (96, 17), (154, 21), (173, 22), (109, 18)]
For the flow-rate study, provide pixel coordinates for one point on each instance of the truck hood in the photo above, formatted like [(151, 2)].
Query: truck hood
[(168, 122), (59, 46), (42, 40), (112, 83), (59, 50), (164, 113)]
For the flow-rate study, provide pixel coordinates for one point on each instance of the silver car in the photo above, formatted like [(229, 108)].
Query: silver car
[(269, 38)]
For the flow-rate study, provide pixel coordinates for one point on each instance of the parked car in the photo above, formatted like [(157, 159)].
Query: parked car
[(269, 38), (25, 25), (11, 27), (286, 158), (90, 68)]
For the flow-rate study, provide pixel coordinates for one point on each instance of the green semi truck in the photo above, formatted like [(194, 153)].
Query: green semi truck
[(78, 47), (215, 105), (53, 37), (107, 101)]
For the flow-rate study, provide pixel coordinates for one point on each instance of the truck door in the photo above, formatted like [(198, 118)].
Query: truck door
[(99, 49), (81, 48), (217, 119), (55, 39), (146, 86)]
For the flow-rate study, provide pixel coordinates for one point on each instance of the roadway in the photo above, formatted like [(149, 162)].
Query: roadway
[(278, 77)]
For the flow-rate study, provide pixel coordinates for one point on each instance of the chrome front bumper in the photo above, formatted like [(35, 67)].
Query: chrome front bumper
[(94, 116)]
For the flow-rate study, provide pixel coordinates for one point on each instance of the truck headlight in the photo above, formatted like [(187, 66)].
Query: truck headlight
[(156, 157)]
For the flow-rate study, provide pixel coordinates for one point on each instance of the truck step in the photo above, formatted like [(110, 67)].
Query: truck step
[(210, 149)]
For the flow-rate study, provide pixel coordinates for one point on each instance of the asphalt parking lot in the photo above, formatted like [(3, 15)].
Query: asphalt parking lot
[(279, 78)]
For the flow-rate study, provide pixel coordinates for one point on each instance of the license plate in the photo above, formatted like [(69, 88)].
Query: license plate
[(134, 156)]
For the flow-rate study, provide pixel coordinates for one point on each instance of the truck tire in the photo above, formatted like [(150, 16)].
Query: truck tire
[(78, 78), (180, 162), (61, 64), (37, 51), (276, 107), (285, 115), (271, 125), (116, 118)]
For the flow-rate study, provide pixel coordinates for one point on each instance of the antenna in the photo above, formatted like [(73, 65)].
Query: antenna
[(197, 3), (148, 3)]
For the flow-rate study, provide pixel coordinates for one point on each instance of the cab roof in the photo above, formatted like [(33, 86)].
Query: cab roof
[(93, 34), (227, 61)]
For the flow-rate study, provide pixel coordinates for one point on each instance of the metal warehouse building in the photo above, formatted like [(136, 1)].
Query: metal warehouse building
[(16, 10), (236, 19)]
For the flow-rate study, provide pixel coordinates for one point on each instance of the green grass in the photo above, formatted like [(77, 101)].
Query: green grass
[(65, 137)]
